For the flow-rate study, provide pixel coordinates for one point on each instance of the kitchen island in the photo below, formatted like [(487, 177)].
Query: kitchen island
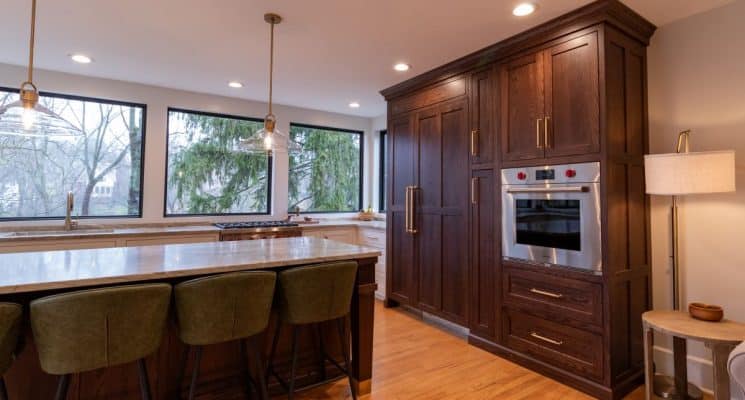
[(30, 275)]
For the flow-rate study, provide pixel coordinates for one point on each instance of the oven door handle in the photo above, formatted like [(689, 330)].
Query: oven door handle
[(567, 189)]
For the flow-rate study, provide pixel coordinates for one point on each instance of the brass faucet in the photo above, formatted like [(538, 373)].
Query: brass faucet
[(70, 224)]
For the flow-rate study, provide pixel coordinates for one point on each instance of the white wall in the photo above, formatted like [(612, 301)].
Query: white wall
[(159, 99), (697, 81)]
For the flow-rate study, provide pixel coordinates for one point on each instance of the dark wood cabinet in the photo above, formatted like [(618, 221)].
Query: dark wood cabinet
[(402, 145), (482, 117), (428, 238), (485, 253), (571, 90), (549, 101)]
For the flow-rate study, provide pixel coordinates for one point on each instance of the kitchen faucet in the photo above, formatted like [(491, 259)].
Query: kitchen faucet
[(69, 223)]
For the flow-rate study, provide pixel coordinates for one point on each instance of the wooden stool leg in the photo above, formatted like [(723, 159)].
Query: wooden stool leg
[(341, 324), (680, 359), (3, 389), (720, 354), (62, 386), (246, 375), (144, 380), (256, 348), (321, 351), (270, 367), (195, 372), (291, 390)]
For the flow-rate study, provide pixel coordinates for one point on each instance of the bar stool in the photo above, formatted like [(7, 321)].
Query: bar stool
[(222, 308), (99, 328), (311, 295), (10, 330)]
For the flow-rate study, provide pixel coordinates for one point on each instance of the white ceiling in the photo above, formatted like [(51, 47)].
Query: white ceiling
[(329, 52)]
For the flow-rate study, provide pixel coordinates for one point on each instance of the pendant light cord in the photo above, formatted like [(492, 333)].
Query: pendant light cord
[(271, 66), (31, 43)]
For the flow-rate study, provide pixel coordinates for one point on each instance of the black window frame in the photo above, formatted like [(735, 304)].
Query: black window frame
[(124, 103), (269, 171), (381, 170), (361, 163)]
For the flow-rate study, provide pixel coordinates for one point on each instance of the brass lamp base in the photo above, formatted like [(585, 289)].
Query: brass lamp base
[(664, 387)]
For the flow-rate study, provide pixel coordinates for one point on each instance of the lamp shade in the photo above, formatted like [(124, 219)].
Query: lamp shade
[(690, 173)]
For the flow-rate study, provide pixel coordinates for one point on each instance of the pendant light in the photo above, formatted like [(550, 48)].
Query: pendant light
[(269, 139), (26, 117)]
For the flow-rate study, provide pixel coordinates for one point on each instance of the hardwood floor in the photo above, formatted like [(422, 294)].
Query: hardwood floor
[(413, 360), (416, 361)]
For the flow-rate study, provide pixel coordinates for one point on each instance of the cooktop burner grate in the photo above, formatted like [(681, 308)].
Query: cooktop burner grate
[(255, 224)]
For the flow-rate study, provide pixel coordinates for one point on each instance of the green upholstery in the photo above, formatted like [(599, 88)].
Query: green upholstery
[(316, 293), (98, 328), (224, 307), (10, 330)]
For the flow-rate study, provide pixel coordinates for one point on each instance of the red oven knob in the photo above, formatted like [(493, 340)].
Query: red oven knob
[(570, 173), (522, 176)]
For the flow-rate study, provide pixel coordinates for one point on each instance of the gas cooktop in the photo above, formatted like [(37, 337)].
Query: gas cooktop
[(256, 224)]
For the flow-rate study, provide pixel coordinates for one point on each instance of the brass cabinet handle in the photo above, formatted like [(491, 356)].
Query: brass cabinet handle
[(474, 190), (545, 339), (412, 211), (474, 143), (538, 133), (545, 132), (407, 210), (547, 294)]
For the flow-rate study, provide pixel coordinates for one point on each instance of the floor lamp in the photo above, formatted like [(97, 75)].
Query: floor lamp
[(677, 174)]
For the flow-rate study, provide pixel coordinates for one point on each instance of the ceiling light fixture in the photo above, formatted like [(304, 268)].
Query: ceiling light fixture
[(354, 104), (81, 58), (269, 139), (523, 9), (235, 84), (26, 117), (401, 67)]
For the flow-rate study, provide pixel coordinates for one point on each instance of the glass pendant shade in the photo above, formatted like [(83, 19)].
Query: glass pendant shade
[(269, 140), (16, 119)]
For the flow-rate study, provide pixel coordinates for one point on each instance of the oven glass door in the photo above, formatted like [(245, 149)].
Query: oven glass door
[(552, 225), (548, 223)]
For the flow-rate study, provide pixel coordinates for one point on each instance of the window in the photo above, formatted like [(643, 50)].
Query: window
[(382, 171), (205, 175), (37, 172), (327, 175)]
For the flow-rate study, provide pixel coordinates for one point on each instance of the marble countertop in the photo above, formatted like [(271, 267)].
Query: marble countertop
[(48, 270), (95, 232)]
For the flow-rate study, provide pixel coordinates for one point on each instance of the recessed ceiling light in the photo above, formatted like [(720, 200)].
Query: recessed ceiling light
[(235, 84), (523, 9), (81, 58), (401, 67), (354, 104)]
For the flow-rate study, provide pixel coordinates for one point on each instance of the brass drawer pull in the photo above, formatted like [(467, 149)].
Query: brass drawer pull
[(474, 190), (538, 133), (547, 294), (545, 133), (545, 339)]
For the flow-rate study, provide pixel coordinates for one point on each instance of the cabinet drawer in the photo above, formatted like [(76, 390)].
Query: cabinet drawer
[(372, 238), (339, 235), (560, 345), (554, 296)]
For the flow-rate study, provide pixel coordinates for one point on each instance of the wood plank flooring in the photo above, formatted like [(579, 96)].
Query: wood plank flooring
[(416, 361)]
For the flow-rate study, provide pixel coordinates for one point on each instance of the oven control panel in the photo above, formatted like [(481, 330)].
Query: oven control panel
[(566, 173)]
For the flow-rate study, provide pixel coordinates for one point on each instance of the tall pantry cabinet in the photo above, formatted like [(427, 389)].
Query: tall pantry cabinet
[(568, 91)]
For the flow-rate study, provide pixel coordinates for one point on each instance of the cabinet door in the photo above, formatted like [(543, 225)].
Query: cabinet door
[(481, 113), (521, 99), (442, 210), (484, 254), (572, 97), (401, 273)]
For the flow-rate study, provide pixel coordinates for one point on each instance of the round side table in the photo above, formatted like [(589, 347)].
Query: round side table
[(720, 337)]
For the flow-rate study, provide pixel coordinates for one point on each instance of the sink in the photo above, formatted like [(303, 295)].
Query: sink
[(81, 231)]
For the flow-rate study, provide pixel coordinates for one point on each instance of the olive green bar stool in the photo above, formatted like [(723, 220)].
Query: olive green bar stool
[(10, 330), (311, 295), (223, 308), (99, 328)]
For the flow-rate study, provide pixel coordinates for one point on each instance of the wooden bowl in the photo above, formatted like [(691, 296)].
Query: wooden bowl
[(706, 312)]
